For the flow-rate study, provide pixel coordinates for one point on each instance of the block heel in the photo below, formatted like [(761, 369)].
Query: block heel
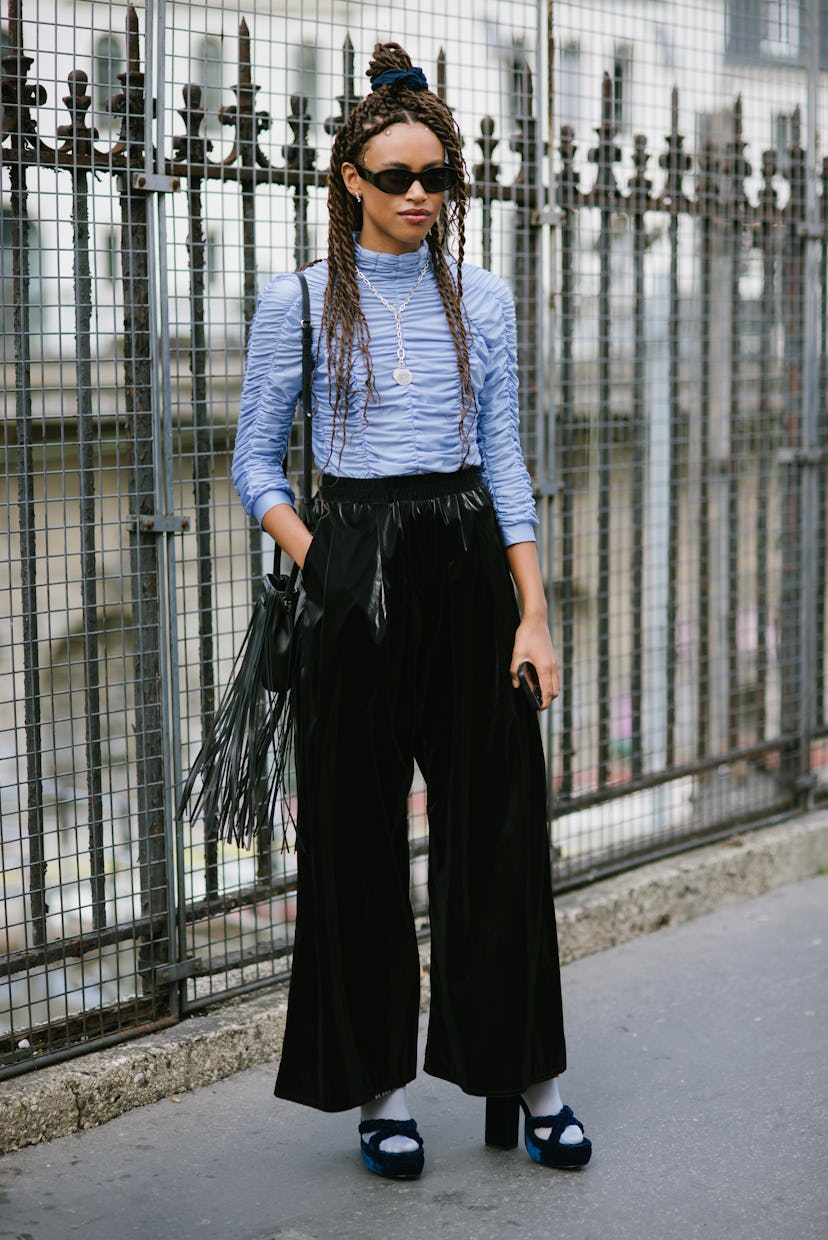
[(502, 1120)]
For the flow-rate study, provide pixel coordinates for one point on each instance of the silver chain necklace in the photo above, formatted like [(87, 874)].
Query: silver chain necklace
[(402, 374)]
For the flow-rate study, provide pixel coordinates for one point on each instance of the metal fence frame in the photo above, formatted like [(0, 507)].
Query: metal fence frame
[(791, 238)]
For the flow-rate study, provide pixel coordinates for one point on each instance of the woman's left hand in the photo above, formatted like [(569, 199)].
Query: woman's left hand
[(534, 645), (532, 641)]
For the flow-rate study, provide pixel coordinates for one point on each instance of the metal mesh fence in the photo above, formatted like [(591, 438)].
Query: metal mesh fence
[(689, 552), (80, 893), (658, 216), (308, 72), (143, 236)]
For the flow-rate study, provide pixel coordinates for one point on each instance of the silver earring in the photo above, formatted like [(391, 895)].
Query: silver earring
[(358, 196)]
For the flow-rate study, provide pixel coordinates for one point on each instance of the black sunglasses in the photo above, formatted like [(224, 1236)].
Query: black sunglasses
[(400, 180)]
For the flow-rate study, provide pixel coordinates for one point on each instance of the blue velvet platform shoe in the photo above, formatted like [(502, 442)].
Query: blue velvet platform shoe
[(402, 1166), (502, 1116)]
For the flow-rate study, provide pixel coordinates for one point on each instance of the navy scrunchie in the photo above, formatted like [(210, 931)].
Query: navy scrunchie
[(413, 78)]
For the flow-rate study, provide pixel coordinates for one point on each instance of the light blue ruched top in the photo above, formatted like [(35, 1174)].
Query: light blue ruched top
[(408, 430)]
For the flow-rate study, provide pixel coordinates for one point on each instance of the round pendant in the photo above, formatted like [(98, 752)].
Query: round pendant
[(402, 376)]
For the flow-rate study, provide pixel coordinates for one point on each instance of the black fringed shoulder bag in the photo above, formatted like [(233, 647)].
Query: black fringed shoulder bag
[(246, 755)]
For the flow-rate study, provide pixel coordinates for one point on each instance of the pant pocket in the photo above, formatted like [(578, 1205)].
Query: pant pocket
[(316, 562)]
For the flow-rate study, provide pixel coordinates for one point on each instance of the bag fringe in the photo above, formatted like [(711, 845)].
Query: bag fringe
[(244, 760)]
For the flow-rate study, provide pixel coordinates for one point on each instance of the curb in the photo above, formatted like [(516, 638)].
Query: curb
[(70, 1097), (682, 888)]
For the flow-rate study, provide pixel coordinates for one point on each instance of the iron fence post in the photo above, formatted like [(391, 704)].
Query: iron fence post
[(78, 145), (567, 198), (812, 463), (300, 158), (605, 196), (675, 163), (547, 285), (18, 97), (145, 566), (767, 214), (790, 459), (527, 198), (246, 153), (163, 424), (190, 150), (737, 169), (820, 704), (645, 417)]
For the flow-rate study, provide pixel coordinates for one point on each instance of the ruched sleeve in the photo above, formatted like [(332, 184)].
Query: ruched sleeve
[(272, 386), (498, 425)]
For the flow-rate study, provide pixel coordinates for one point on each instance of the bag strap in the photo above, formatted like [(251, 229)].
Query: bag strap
[(307, 423), (307, 409)]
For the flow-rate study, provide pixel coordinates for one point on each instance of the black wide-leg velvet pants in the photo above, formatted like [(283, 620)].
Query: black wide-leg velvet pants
[(404, 646)]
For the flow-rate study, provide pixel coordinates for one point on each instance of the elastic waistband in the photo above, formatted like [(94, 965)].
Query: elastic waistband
[(403, 488)]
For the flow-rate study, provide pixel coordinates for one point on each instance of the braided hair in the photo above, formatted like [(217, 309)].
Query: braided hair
[(343, 322)]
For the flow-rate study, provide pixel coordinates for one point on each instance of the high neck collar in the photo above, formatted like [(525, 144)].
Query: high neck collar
[(372, 262)]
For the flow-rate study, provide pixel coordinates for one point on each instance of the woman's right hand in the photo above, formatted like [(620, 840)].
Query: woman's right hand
[(285, 528)]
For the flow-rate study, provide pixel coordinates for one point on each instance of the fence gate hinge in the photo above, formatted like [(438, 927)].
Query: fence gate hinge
[(166, 973), (155, 182), (155, 524)]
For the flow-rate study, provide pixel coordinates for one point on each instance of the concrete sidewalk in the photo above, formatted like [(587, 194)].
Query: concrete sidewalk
[(62, 1098), (698, 1062)]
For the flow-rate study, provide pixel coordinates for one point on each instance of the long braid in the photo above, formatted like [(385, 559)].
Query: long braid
[(451, 293), (343, 321)]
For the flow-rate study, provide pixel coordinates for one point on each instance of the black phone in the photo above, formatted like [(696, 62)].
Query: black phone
[(529, 683)]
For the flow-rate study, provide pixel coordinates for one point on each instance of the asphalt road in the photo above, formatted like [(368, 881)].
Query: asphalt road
[(699, 1064)]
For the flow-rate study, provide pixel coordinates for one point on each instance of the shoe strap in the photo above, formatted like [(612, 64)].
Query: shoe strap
[(558, 1123), (382, 1128)]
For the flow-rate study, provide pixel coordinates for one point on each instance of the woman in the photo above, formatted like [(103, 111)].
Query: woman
[(408, 649)]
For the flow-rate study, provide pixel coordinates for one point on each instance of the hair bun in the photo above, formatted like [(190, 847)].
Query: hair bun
[(388, 58)]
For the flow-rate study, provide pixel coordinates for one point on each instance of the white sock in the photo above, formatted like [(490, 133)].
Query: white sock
[(545, 1099), (391, 1106)]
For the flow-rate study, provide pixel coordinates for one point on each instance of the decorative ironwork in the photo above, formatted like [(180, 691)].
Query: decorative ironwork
[(637, 380)]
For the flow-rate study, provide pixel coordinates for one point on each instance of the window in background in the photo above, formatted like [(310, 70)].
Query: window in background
[(622, 87), (208, 72), (780, 36), (109, 62), (569, 90)]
